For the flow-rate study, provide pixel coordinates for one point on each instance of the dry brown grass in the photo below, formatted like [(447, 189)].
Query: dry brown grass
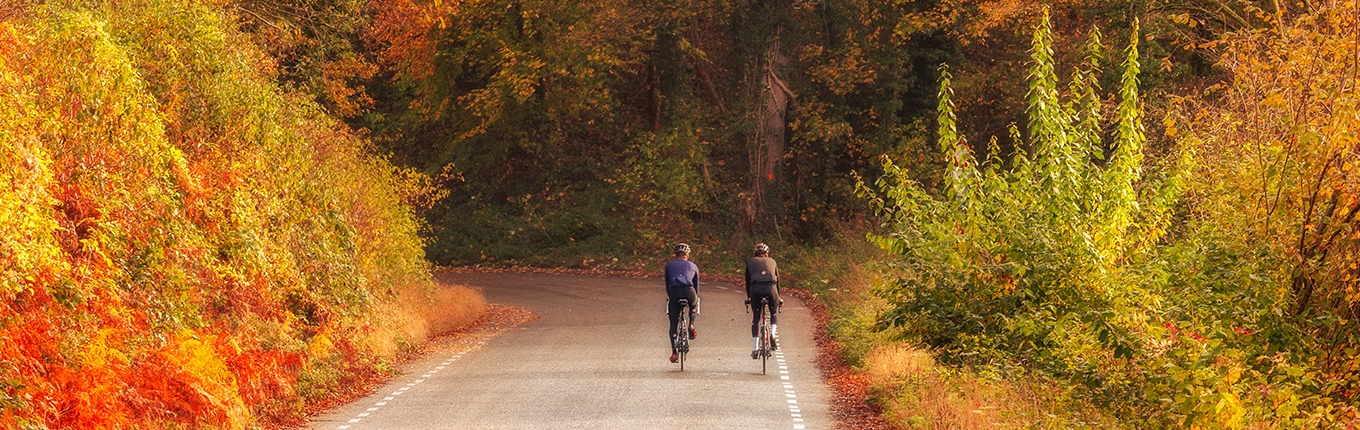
[(441, 310), (914, 392), (419, 314)]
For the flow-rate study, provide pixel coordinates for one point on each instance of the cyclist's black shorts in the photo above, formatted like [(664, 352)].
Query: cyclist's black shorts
[(673, 307), (770, 292)]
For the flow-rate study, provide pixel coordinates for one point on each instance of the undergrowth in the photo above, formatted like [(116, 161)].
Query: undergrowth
[(907, 384)]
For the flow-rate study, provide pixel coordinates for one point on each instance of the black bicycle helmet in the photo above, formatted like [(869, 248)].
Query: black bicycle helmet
[(681, 249), (762, 248)]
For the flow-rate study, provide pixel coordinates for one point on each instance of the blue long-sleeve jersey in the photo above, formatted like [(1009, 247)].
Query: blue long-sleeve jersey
[(682, 273)]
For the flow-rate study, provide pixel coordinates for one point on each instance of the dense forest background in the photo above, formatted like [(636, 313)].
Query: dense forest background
[(1148, 204), (594, 131)]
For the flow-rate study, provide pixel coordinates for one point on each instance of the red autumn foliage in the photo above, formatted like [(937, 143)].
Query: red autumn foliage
[(186, 243)]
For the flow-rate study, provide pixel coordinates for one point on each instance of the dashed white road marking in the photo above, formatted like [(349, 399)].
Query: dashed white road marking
[(428, 374), (790, 395)]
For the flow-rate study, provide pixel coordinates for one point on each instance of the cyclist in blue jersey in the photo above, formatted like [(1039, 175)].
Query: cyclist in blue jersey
[(682, 282)]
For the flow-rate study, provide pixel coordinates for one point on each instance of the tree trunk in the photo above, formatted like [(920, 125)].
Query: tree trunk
[(767, 154), (772, 119)]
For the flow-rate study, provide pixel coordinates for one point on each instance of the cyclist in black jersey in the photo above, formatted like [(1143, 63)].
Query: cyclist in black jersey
[(762, 280)]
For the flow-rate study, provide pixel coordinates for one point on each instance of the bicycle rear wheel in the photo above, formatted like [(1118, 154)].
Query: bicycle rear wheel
[(764, 337), (682, 335)]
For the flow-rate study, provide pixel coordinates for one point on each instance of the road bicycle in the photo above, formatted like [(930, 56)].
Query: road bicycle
[(681, 338), (766, 339)]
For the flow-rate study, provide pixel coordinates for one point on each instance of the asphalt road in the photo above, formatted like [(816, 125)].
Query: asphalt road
[(597, 359)]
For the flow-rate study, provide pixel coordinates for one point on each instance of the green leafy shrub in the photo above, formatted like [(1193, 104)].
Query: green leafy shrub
[(1020, 262), (1070, 262)]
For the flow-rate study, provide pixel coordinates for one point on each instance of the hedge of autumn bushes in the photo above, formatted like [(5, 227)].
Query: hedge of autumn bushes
[(182, 242)]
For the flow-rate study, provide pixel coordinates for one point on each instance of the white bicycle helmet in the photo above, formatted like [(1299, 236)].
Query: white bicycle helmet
[(681, 249)]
